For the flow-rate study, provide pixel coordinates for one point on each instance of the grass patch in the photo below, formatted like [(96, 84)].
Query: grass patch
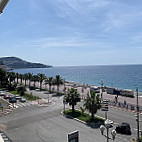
[(84, 117), (27, 96)]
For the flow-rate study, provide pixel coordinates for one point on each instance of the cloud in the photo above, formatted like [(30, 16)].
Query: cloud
[(66, 42), (122, 16)]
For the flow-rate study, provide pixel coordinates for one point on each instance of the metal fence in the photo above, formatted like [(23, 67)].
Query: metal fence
[(125, 105)]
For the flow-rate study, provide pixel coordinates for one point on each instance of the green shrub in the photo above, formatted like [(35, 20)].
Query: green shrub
[(84, 117)]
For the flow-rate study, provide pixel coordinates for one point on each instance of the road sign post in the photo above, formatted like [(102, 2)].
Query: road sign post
[(105, 107), (73, 137)]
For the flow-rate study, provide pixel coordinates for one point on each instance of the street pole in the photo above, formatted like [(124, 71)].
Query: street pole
[(138, 136), (102, 83), (107, 135), (106, 115)]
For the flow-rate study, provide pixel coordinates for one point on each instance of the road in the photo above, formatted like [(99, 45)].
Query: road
[(46, 124)]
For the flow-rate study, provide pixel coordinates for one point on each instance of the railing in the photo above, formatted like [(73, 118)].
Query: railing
[(124, 105)]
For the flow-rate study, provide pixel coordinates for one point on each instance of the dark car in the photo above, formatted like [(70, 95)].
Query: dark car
[(124, 128), (12, 100)]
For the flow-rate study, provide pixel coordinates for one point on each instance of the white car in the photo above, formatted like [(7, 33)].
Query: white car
[(22, 100)]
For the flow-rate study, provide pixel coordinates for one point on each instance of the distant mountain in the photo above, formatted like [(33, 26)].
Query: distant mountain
[(17, 63)]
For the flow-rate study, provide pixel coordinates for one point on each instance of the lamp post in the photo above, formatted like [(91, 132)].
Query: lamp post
[(107, 126), (137, 119), (101, 89), (3, 3)]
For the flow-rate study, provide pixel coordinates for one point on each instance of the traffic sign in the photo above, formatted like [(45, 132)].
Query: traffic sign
[(105, 106), (73, 137)]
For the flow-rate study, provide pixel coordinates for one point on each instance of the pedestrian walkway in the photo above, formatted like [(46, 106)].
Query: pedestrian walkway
[(4, 137), (20, 104)]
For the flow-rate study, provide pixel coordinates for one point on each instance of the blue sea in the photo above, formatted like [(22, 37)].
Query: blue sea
[(119, 76)]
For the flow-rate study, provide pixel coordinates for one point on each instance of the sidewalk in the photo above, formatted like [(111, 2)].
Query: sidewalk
[(122, 99)]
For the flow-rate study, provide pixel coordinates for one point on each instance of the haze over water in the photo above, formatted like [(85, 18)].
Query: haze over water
[(119, 76)]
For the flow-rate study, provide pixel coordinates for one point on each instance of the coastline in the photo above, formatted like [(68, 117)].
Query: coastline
[(121, 77)]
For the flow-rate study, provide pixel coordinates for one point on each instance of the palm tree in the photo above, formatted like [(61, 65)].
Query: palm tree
[(49, 81), (21, 77), (92, 103), (29, 76), (3, 77), (17, 77), (21, 90), (35, 78), (41, 78), (11, 76), (25, 77), (58, 81), (72, 98)]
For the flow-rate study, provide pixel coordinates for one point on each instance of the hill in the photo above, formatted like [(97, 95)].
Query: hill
[(17, 63)]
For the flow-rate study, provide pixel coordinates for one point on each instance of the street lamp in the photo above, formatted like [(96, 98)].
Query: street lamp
[(107, 126), (3, 3)]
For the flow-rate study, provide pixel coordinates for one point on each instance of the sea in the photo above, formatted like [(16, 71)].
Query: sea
[(118, 76)]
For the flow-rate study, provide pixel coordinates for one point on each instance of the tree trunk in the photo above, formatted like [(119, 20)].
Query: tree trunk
[(34, 84), (57, 89), (73, 109), (92, 115), (40, 85), (17, 80), (49, 88), (25, 82), (92, 112), (29, 83)]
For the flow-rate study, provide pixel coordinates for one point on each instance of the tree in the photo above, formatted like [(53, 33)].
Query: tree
[(25, 77), (92, 103), (49, 81), (35, 78), (21, 77), (41, 78), (11, 77), (72, 98), (58, 81), (21, 90), (3, 77), (29, 76), (17, 77)]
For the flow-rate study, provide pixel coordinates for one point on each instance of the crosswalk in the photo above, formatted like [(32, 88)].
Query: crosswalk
[(20, 104), (4, 138)]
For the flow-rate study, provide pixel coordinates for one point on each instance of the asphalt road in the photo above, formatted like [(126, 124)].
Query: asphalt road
[(46, 124)]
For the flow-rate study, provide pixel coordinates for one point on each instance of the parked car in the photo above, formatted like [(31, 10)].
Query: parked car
[(6, 96), (12, 100), (22, 100), (2, 93), (123, 128), (18, 97)]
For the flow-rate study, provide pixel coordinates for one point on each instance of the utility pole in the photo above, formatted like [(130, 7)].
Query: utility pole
[(102, 84), (137, 119)]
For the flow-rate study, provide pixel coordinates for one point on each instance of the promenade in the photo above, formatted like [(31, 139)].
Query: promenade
[(83, 91)]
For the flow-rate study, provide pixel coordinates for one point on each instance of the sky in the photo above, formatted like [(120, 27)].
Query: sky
[(72, 32)]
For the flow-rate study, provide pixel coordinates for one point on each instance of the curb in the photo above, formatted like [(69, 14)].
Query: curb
[(73, 117), (83, 121), (127, 110)]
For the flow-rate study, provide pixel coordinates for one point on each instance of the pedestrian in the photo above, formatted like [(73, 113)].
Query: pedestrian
[(2, 108), (124, 103)]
